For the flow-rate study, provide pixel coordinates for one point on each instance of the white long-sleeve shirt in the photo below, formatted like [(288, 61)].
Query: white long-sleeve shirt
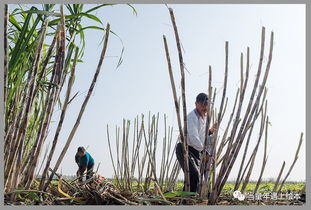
[(196, 131)]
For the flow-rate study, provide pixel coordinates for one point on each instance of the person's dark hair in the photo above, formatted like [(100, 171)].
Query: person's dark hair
[(202, 98), (81, 149)]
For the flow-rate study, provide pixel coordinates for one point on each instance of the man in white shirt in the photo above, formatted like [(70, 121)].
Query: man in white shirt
[(196, 123)]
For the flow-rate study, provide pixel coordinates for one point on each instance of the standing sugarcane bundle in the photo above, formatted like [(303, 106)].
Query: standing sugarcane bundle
[(250, 116), (140, 169), (252, 159), (83, 106), (36, 74), (15, 136), (225, 152)]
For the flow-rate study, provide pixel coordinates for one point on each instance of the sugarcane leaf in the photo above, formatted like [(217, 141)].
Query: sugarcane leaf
[(134, 10), (59, 103), (68, 17), (70, 8), (120, 58), (69, 54), (30, 35), (93, 17), (90, 27), (19, 41), (41, 12), (97, 7), (19, 196), (46, 83), (179, 193), (34, 196), (76, 8), (14, 22)]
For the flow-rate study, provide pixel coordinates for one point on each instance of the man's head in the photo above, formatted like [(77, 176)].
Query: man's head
[(81, 151), (201, 103)]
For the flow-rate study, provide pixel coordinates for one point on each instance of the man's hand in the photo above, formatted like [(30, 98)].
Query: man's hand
[(209, 157), (213, 129)]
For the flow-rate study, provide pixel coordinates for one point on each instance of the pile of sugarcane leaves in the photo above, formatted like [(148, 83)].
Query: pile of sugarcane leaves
[(96, 192)]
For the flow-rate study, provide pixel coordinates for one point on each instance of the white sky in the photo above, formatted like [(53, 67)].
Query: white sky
[(141, 84)]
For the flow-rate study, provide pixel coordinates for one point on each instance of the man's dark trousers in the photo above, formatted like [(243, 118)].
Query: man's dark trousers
[(89, 172), (194, 165)]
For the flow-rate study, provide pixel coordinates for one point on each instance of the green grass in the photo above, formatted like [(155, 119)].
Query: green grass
[(266, 187), (229, 186)]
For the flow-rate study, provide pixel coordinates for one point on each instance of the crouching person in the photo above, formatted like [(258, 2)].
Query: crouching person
[(85, 162)]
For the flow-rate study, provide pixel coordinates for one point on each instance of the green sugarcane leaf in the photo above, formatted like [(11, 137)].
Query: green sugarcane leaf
[(46, 83), (14, 22), (120, 59), (19, 196), (134, 10), (69, 17), (34, 196), (41, 12), (97, 7), (19, 41), (69, 8), (90, 27), (179, 193)]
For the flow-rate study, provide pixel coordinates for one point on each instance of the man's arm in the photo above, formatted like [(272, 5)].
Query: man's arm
[(82, 169), (77, 159)]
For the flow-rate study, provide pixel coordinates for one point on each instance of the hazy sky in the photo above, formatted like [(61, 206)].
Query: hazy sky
[(141, 84)]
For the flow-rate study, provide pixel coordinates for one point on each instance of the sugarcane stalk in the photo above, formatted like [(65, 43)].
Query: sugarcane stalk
[(183, 96), (44, 157), (224, 141), (293, 164), (203, 164), (240, 174), (181, 134), (279, 177), (207, 172), (59, 74), (21, 120), (24, 113), (5, 45), (264, 161), (61, 120), (73, 131), (111, 157), (242, 132)]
